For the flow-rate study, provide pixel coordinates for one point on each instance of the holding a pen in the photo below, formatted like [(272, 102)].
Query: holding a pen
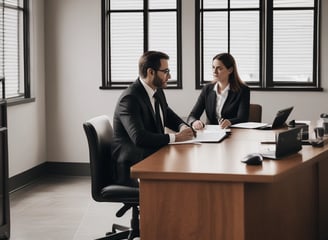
[(224, 101), (199, 125), (185, 130), (193, 130), (224, 123)]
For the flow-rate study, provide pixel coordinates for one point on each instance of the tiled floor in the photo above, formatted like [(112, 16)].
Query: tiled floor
[(56, 207)]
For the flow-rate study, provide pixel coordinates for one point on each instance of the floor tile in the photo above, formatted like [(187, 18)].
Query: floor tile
[(57, 207)]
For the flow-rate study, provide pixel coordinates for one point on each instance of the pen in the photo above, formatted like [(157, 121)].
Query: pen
[(268, 142), (193, 130), (220, 123)]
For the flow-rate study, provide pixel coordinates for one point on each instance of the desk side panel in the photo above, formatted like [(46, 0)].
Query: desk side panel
[(323, 198), (284, 210), (180, 210)]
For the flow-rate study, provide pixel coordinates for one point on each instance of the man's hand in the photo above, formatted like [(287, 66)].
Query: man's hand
[(186, 133)]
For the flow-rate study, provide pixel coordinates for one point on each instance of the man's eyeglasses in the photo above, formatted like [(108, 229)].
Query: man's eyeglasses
[(165, 71)]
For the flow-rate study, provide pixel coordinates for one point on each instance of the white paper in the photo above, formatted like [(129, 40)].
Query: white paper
[(211, 133), (248, 125)]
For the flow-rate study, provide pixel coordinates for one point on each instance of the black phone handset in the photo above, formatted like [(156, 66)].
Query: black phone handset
[(324, 115)]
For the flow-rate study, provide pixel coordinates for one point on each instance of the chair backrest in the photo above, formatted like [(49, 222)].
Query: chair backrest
[(99, 134), (255, 113)]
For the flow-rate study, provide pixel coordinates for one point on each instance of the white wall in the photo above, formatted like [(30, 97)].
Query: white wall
[(73, 75), (73, 72), (26, 122)]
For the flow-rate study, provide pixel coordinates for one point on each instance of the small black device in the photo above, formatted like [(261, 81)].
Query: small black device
[(279, 120), (253, 159), (286, 143), (324, 115), (317, 143), (304, 126)]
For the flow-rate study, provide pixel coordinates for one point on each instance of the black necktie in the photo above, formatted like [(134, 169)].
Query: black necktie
[(157, 114)]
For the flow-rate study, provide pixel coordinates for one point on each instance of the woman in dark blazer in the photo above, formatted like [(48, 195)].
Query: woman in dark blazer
[(225, 100)]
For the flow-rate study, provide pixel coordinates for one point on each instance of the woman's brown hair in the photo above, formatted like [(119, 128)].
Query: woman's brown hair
[(229, 62)]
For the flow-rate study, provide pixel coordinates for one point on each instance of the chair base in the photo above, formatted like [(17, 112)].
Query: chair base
[(116, 236), (120, 232), (129, 235)]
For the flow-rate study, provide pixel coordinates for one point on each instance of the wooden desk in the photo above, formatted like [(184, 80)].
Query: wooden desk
[(204, 192)]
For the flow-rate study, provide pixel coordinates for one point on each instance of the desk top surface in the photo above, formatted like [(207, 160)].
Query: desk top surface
[(222, 161)]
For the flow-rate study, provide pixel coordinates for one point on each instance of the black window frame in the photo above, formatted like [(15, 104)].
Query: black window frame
[(266, 82), (26, 55), (107, 82)]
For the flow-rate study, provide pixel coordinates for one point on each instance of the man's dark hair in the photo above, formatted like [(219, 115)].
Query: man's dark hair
[(150, 59)]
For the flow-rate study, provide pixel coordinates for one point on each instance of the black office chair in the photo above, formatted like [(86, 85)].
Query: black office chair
[(99, 133)]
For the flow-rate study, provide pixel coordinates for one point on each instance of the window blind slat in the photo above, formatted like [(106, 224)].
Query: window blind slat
[(126, 4), (168, 4), (14, 3), (293, 3)]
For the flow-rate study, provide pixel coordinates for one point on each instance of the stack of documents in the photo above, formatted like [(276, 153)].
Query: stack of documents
[(211, 133)]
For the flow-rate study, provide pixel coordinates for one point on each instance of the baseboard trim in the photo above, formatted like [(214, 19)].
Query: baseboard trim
[(20, 180), (68, 168), (54, 168)]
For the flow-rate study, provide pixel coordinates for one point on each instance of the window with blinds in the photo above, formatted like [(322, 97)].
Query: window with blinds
[(274, 42), (131, 27), (293, 41), (13, 50)]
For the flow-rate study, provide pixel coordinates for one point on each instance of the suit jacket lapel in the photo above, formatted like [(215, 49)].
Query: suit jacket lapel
[(229, 100), (212, 103), (144, 98)]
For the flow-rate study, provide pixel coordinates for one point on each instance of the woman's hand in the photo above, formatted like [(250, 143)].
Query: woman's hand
[(198, 125), (224, 123)]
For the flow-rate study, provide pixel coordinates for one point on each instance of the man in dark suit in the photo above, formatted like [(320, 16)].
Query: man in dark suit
[(137, 131)]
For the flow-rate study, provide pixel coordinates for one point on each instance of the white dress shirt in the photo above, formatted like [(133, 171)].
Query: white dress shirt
[(150, 93), (220, 99)]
